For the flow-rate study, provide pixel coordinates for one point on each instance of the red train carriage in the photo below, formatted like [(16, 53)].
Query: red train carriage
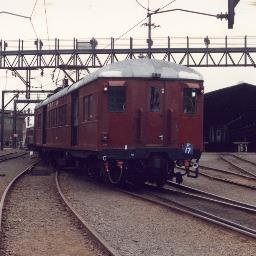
[(131, 120)]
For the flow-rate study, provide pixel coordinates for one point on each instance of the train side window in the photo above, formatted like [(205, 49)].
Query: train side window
[(65, 114), (55, 117), (116, 98), (39, 121), (61, 115), (189, 100), (155, 99), (87, 107), (50, 119)]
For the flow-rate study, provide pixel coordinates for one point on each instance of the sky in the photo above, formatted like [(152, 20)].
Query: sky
[(104, 19)]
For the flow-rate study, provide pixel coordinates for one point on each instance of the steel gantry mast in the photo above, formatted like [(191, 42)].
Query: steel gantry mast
[(84, 58)]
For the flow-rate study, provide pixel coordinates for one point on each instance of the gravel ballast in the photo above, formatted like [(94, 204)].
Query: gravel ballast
[(37, 223), (135, 227)]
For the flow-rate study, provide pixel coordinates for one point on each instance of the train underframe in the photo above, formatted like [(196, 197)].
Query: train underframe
[(137, 166)]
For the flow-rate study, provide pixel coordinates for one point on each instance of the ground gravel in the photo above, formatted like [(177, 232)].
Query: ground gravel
[(37, 224), (135, 227)]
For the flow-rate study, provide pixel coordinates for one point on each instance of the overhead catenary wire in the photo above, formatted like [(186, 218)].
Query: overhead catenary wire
[(33, 8), (166, 5), (23, 16), (137, 24), (15, 14), (33, 28), (46, 21), (158, 9), (142, 5)]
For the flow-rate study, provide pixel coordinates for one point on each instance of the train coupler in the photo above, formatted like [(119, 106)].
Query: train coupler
[(192, 173)]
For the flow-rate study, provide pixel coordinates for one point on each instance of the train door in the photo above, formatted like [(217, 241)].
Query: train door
[(155, 117), (118, 123), (44, 120), (74, 118)]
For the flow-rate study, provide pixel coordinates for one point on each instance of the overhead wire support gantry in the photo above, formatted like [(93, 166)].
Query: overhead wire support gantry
[(24, 57), (80, 55)]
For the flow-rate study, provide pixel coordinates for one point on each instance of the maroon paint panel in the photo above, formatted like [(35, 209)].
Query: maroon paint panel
[(137, 126)]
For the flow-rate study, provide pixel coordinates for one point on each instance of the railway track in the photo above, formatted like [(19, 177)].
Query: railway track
[(211, 208), (137, 227), (90, 230), (228, 177), (210, 196), (11, 155), (4, 195), (243, 165), (100, 243)]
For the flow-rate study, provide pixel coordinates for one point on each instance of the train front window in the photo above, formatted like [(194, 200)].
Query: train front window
[(155, 99), (189, 100), (116, 98)]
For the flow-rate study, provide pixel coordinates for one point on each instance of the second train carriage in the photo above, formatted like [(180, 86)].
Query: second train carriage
[(132, 120)]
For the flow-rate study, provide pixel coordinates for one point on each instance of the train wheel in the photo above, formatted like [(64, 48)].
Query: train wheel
[(162, 176), (179, 178), (160, 183), (92, 169), (138, 180), (171, 171)]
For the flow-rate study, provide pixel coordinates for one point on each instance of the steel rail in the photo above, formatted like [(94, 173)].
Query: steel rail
[(226, 221), (173, 205), (194, 212), (222, 201), (7, 189), (237, 166), (228, 181), (10, 156), (7, 154), (243, 159), (226, 200), (104, 245), (228, 172)]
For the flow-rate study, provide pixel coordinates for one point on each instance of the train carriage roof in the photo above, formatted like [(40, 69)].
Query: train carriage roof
[(132, 68)]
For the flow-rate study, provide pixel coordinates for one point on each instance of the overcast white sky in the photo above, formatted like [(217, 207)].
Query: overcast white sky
[(105, 19)]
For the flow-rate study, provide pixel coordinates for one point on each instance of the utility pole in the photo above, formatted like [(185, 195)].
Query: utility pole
[(149, 39), (231, 12)]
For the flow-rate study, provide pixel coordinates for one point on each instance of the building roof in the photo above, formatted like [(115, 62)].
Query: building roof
[(231, 106), (133, 68)]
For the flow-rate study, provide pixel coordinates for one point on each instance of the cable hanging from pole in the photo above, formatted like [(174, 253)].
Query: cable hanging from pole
[(46, 21), (23, 16)]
